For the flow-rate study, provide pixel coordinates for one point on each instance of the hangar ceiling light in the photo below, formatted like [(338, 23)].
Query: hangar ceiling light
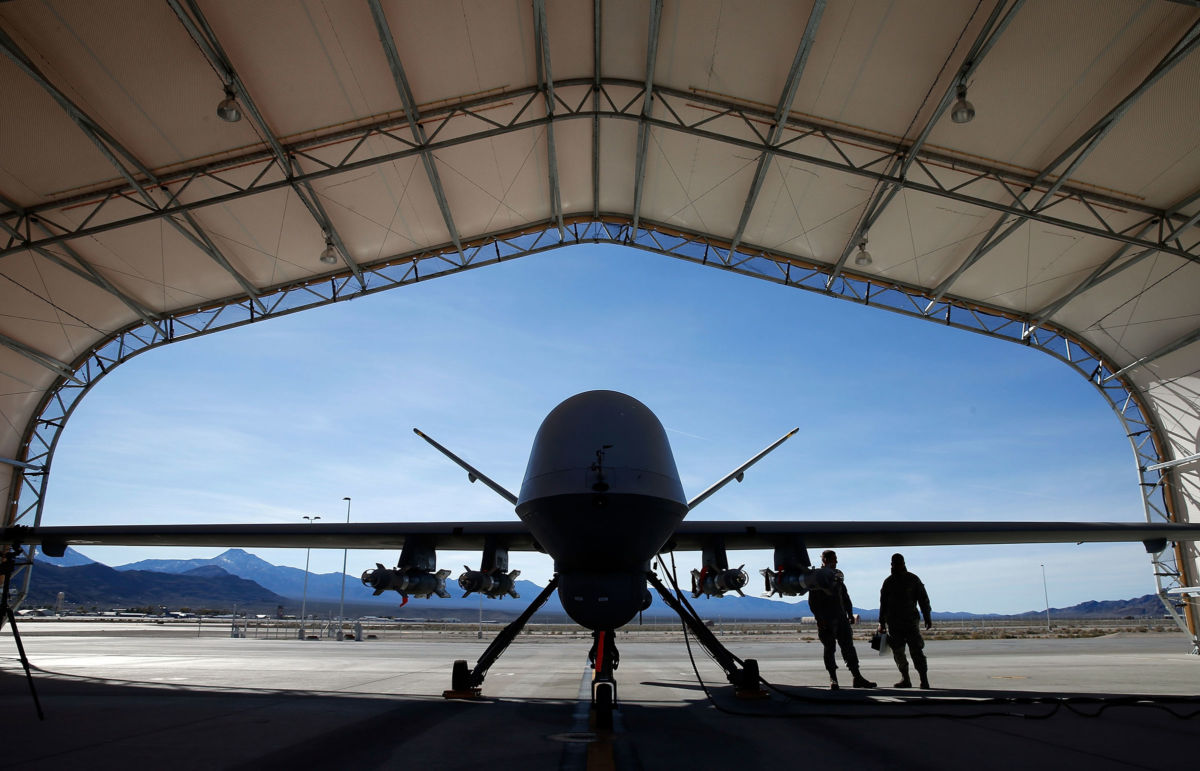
[(328, 255), (228, 109), (964, 111), (863, 258)]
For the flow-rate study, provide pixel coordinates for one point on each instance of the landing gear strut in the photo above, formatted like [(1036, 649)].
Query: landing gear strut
[(743, 675), (465, 682), (604, 659)]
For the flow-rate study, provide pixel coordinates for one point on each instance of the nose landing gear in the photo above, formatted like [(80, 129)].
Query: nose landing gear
[(604, 659)]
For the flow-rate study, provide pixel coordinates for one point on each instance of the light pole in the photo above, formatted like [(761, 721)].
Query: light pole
[(1046, 595), (342, 600), (304, 599)]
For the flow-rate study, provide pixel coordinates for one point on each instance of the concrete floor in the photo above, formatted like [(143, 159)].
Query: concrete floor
[(155, 700)]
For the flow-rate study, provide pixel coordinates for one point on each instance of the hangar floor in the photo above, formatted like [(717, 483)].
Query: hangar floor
[(155, 701)]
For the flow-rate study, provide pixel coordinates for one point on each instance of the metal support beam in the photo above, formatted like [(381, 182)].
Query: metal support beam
[(201, 240), (1169, 348), (20, 464), (308, 196), (1073, 157), (82, 268), (541, 37), (38, 357), (206, 40), (388, 41), (1190, 222), (883, 195), (1097, 276), (1102, 273), (110, 148), (1173, 463), (643, 140), (596, 32), (781, 112)]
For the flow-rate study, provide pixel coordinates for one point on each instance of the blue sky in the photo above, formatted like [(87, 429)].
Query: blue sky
[(899, 419)]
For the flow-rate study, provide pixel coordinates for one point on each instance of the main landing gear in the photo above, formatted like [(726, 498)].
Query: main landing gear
[(465, 682), (742, 675)]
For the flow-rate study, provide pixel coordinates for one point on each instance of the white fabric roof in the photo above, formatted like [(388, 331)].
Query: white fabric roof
[(125, 201)]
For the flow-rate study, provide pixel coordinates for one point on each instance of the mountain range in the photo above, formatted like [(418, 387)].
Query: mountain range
[(94, 584), (285, 581), (236, 576), (137, 584), (326, 587)]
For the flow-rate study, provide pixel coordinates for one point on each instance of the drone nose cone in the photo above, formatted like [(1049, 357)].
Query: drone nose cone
[(601, 441)]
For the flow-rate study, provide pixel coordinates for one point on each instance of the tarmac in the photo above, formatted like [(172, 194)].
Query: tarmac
[(120, 699)]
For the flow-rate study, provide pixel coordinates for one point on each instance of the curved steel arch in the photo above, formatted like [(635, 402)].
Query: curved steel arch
[(31, 473)]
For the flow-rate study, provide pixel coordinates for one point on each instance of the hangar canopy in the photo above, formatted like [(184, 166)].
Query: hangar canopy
[(828, 146)]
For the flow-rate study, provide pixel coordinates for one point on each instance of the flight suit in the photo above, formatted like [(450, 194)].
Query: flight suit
[(902, 593), (832, 610)]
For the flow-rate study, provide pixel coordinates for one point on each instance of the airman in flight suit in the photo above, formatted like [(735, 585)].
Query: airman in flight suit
[(834, 614), (899, 598)]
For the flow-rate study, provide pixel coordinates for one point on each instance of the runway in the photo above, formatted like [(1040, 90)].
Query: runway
[(158, 700)]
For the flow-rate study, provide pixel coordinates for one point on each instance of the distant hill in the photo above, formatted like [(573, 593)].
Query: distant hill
[(1147, 606), (325, 587), (285, 581), (99, 585)]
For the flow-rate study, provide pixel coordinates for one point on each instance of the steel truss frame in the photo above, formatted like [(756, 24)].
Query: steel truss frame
[(738, 124), (1172, 569), (206, 40), (883, 195), (139, 177), (388, 41)]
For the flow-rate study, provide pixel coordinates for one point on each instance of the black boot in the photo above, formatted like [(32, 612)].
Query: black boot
[(924, 680), (904, 681), (860, 681), (833, 683)]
